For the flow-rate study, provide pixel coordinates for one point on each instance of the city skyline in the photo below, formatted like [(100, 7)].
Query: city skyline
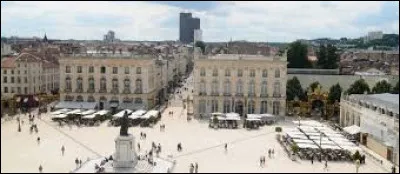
[(154, 21)]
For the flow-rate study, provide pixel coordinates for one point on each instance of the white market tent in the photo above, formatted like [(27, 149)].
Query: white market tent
[(352, 129), (88, 112), (253, 116), (60, 116), (76, 111), (217, 114), (60, 111), (232, 116), (307, 145), (137, 114), (305, 141), (151, 113), (312, 133), (91, 116), (351, 148), (297, 136), (253, 119), (121, 114), (326, 146)]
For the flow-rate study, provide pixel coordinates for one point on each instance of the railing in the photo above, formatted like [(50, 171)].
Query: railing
[(67, 90), (277, 95), (114, 91), (239, 94), (138, 91), (126, 91), (263, 95), (103, 91), (251, 94), (202, 93), (79, 90), (90, 90), (227, 94), (214, 94)]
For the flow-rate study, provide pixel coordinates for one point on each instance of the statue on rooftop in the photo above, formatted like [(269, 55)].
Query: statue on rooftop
[(124, 125)]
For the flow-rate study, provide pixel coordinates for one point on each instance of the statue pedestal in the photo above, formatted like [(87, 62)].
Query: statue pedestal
[(125, 155)]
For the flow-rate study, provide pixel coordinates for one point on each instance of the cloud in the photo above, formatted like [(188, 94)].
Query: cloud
[(254, 21)]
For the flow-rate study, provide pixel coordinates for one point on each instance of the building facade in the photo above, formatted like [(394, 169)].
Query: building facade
[(113, 81), (5, 49), (243, 84), (28, 74), (377, 115), (198, 35), (187, 26)]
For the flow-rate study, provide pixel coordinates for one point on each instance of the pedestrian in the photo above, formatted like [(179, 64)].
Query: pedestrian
[(76, 162), (269, 153), (226, 147), (393, 169), (80, 163), (62, 150), (196, 168), (144, 134), (261, 161), (40, 168), (159, 147), (191, 168), (273, 152), (38, 140), (138, 145), (312, 160), (326, 165)]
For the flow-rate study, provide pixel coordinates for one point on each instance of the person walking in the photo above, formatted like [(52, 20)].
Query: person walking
[(62, 150), (40, 168), (269, 153), (191, 168), (80, 163), (312, 160), (196, 168), (261, 161), (273, 152), (226, 147), (76, 162), (138, 145), (38, 140), (326, 165)]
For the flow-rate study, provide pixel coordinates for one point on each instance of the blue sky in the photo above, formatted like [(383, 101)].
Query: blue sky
[(220, 21)]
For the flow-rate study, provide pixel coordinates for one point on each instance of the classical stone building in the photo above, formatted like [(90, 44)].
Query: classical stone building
[(377, 115), (239, 83), (113, 81)]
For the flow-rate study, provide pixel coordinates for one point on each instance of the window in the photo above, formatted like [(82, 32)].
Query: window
[(12, 71), (250, 108), (5, 89), (26, 79), (138, 85), (103, 70), (5, 79), (202, 87), (67, 69), (79, 85), (127, 84), (26, 90), (12, 79), (215, 72), (202, 106), (277, 73), (91, 99), (227, 73), (240, 73), (91, 83), (115, 84), (79, 98), (227, 106), (214, 88), (126, 70), (79, 69), (227, 87), (18, 79), (277, 89), (239, 87), (264, 88), (138, 70), (5, 71), (214, 106), (265, 73), (264, 107), (252, 73), (115, 70), (91, 69), (19, 90), (202, 72), (25, 72), (68, 83), (103, 84), (251, 87), (276, 106), (18, 72)]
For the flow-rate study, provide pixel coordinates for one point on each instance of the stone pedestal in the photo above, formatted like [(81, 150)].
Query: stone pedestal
[(125, 155)]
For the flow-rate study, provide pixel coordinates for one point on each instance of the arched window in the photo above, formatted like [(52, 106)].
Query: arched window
[(138, 85), (202, 72), (264, 107), (69, 98), (227, 87), (227, 106), (227, 72), (277, 73), (277, 89), (265, 73), (275, 108), (214, 106), (214, 88), (79, 98), (68, 85), (202, 87), (91, 83), (202, 106), (138, 101), (264, 88), (115, 84), (103, 84), (79, 84), (250, 108), (251, 87), (127, 84), (215, 72), (91, 99), (239, 87)]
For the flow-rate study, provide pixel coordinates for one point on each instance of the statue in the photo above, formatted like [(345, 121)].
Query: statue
[(124, 125)]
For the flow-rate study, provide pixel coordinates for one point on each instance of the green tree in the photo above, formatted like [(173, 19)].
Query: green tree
[(358, 87), (314, 85), (202, 45), (293, 88), (396, 88), (332, 57), (382, 87), (297, 55), (335, 92), (322, 58)]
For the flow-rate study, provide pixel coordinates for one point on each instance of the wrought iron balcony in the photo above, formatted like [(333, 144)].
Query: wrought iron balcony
[(214, 94), (227, 94), (126, 91), (90, 90), (239, 95), (114, 91), (263, 95), (104, 90), (277, 95), (138, 91), (78, 90), (67, 90), (251, 94)]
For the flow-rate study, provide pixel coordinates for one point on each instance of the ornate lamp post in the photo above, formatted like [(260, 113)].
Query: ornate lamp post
[(296, 112)]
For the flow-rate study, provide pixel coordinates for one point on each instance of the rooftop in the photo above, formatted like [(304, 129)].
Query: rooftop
[(243, 57), (386, 100)]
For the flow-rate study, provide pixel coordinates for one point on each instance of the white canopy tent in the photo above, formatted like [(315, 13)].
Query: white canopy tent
[(102, 112), (327, 146), (137, 114), (354, 129), (232, 116), (121, 114), (89, 116), (151, 113), (307, 145), (60, 116), (76, 111), (60, 111), (217, 114), (253, 116), (351, 148), (305, 141), (88, 112), (297, 136)]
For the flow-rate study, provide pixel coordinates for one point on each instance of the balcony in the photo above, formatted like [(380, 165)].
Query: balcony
[(202, 93), (103, 90), (277, 95), (227, 94), (239, 95), (263, 95), (67, 90), (214, 94), (79, 90), (126, 91), (251, 94), (90, 90), (114, 91), (138, 91)]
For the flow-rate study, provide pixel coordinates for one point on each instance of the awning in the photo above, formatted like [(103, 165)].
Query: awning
[(307, 145), (102, 112), (89, 116), (253, 119), (61, 111), (60, 116), (151, 113), (352, 129), (217, 114), (121, 114), (76, 105), (253, 116), (88, 112), (303, 141), (232, 116), (76, 111)]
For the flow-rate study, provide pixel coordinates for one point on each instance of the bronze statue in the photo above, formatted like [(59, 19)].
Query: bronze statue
[(124, 125)]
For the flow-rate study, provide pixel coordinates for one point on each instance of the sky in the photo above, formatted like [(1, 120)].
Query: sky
[(220, 20)]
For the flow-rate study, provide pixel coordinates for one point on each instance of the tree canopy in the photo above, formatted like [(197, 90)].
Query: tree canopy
[(314, 85), (358, 87), (335, 92), (202, 45), (396, 88), (327, 57), (293, 88), (382, 87), (297, 55)]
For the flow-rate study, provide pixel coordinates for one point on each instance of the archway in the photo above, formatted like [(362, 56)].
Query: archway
[(317, 108), (239, 108)]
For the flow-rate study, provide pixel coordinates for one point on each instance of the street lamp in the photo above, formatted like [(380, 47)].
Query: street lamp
[(296, 99), (160, 63)]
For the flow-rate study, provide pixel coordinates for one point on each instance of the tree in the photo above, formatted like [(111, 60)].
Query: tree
[(322, 58), (334, 93), (396, 88), (293, 88), (202, 45), (382, 87), (332, 57), (297, 55), (314, 85), (358, 87)]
